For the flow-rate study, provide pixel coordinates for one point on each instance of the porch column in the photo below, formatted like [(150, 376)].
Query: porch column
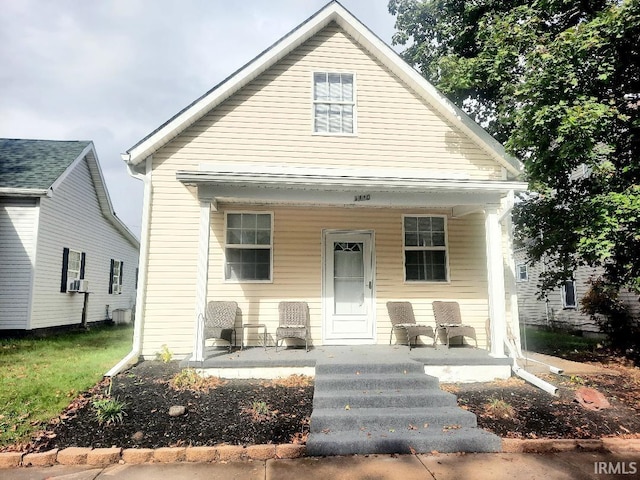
[(202, 279), (495, 278)]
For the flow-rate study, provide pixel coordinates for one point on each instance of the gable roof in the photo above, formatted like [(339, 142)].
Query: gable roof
[(34, 168), (35, 164), (332, 12)]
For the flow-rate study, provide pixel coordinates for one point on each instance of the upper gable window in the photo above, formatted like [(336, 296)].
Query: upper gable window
[(333, 103)]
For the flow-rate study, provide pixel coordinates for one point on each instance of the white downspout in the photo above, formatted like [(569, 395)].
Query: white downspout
[(134, 355), (510, 343)]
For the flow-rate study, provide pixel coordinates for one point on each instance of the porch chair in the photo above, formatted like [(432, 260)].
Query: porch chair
[(294, 322), (219, 322), (402, 317), (449, 320)]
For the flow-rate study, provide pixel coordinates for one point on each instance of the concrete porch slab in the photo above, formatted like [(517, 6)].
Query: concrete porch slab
[(455, 364)]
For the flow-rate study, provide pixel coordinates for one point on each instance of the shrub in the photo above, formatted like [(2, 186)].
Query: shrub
[(603, 305)]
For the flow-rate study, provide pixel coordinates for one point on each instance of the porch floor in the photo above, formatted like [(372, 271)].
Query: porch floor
[(448, 364)]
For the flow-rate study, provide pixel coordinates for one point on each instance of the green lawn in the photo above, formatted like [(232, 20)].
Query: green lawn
[(556, 343), (40, 376)]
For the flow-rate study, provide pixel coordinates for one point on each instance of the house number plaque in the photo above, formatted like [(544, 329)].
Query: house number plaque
[(362, 198)]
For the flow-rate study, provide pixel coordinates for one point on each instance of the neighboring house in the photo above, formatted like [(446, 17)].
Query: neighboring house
[(59, 234), (326, 170), (561, 307)]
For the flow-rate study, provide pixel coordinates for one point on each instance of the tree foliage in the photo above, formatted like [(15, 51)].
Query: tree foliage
[(558, 82)]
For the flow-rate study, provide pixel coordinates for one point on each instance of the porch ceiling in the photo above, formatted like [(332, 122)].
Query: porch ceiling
[(343, 187)]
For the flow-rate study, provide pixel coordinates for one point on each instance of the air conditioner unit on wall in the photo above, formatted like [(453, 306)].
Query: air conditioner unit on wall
[(77, 285)]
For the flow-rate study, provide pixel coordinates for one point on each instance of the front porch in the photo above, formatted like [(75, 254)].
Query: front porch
[(455, 364)]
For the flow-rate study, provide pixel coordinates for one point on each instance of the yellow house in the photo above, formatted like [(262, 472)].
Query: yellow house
[(327, 142)]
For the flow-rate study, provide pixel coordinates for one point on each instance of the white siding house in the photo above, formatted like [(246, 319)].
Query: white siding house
[(560, 308), (325, 144), (56, 225)]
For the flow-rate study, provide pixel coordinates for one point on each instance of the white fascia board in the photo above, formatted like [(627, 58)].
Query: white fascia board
[(24, 192)]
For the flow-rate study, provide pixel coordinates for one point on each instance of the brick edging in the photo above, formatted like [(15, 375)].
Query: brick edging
[(223, 453), (108, 456)]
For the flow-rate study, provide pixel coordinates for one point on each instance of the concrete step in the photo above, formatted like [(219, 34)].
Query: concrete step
[(364, 442), (399, 398), (375, 381), (398, 419), (360, 368)]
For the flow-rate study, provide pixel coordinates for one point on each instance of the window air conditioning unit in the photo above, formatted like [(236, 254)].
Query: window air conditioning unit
[(78, 285)]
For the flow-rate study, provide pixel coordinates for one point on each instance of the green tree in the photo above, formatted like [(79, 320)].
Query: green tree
[(558, 82)]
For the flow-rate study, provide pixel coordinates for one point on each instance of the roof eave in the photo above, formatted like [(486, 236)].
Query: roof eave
[(24, 192)]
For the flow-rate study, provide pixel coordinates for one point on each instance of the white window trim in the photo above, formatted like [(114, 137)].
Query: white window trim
[(526, 273), (564, 296), (445, 249), (224, 250), (77, 276), (354, 103), (116, 287)]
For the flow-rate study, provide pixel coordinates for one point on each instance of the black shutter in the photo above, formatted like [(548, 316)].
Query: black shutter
[(121, 270), (111, 277), (65, 266), (83, 257)]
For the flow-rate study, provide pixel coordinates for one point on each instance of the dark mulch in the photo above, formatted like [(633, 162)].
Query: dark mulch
[(224, 415), (537, 414)]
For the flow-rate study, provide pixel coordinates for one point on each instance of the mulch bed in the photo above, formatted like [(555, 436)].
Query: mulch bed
[(246, 412), (223, 415), (537, 414)]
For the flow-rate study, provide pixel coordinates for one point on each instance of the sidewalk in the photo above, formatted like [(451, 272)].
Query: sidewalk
[(478, 466)]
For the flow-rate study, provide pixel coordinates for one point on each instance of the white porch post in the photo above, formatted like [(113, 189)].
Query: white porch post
[(202, 279), (495, 277)]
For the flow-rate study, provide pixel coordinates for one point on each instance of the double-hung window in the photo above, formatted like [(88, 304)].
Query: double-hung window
[(425, 248), (115, 277), (73, 263), (333, 103), (522, 272), (248, 247)]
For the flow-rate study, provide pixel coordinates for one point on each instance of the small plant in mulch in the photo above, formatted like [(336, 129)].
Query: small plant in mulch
[(497, 408), (260, 411), (109, 410), (164, 354), (189, 379)]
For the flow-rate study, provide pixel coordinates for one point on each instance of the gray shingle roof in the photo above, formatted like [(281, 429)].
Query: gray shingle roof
[(36, 163)]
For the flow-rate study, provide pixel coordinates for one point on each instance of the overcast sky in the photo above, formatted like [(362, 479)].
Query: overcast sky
[(112, 71)]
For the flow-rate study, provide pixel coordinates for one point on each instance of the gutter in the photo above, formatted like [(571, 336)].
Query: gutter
[(134, 355)]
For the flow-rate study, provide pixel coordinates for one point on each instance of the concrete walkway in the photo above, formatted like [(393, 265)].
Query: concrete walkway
[(490, 466), (569, 367)]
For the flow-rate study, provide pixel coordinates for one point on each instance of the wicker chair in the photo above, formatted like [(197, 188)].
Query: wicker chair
[(294, 322), (402, 317), (220, 322), (449, 320)]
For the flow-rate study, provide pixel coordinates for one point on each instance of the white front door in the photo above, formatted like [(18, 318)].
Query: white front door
[(348, 288)]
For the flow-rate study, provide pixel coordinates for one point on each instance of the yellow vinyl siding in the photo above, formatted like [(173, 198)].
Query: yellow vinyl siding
[(270, 121)]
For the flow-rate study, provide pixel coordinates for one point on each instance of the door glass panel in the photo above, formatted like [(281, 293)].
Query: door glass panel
[(348, 278)]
